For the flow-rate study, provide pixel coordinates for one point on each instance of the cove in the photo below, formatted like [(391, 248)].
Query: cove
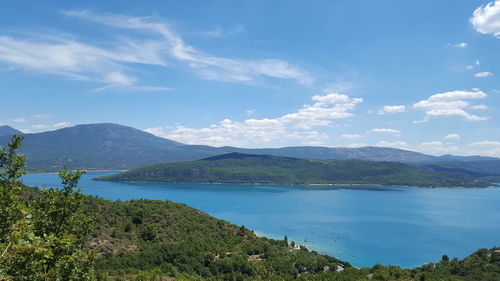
[(363, 225)]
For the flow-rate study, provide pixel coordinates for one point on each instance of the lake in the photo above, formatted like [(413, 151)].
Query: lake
[(366, 225)]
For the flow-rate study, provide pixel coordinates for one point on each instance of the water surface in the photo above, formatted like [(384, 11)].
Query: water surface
[(363, 225)]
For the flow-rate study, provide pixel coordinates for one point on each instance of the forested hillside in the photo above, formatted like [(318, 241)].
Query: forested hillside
[(249, 168)]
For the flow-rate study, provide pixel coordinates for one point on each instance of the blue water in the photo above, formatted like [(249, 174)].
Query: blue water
[(363, 225)]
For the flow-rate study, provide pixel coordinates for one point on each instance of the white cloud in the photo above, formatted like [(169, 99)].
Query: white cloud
[(437, 148), (486, 19), (472, 66), (483, 74), (452, 137), (115, 65), (41, 116), (389, 109), (395, 144), (208, 66), (450, 104), (486, 147), (479, 107), (19, 120), (356, 145), (73, 59), (461, 45), (59, 125), (349, 136), (218, 32), (385, 131), (294, 126), (249, 112), (486, 143)]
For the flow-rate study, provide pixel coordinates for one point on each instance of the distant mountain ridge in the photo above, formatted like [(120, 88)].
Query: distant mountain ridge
[(112, 146), (238, 168), (8, 131)]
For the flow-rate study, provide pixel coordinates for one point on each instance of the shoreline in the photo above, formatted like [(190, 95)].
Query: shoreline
[(304, 184)]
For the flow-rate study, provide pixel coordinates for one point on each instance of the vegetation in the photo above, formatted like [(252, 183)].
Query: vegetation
[(60, 234), (488, 170), (249, 168), (41, 239)]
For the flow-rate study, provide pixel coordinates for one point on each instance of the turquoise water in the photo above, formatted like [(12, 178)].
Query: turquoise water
[(363, 225)]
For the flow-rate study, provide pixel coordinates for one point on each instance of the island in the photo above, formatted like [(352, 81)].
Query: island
[(239, 168)]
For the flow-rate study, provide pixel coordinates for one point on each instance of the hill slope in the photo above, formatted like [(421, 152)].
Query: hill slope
[(489, 169), (9, 131), (249, 168), (163, 240)]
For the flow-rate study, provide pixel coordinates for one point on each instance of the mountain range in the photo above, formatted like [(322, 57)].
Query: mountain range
[(112, 146)]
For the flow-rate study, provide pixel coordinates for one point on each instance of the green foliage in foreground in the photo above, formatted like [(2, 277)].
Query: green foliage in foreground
[(249, 168), (52, 235), (42, 239)]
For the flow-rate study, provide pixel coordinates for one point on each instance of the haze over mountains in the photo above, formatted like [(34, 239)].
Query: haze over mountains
[(113, 146)]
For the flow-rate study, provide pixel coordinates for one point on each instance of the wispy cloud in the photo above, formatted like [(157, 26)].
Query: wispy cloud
[(19, 120), (46, 127), (390, 109), (486, 19), (249, 112), (394, 144), (437, 148), (461, 45), (298, 126), (351, 136), (218, 32), (41, 116), (142, 41), (452, 137), (486, 147), (472, 66), (385, 131), (483, 74), (450, 104), (73, 59), (206, 65)]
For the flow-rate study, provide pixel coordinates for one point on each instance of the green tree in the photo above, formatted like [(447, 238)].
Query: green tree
[(45, 239), (11, 164)]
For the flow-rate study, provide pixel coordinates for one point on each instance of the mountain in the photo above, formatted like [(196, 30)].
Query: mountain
[(94, 146), (9, 131), (112, 146), (266, 169)]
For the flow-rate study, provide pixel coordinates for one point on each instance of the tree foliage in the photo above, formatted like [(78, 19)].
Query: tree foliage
[(42, 239)]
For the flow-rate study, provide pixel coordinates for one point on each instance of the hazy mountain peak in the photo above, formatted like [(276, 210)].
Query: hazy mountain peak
[(8, 131)]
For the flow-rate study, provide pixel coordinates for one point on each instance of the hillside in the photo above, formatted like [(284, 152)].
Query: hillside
[(8, 131), (163, 240), (265, 169), (489, 169)]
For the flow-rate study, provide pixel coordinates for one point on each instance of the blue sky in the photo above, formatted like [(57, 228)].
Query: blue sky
[(417, 75)]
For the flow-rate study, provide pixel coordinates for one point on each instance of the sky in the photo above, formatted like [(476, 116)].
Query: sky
[(417, 75)]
